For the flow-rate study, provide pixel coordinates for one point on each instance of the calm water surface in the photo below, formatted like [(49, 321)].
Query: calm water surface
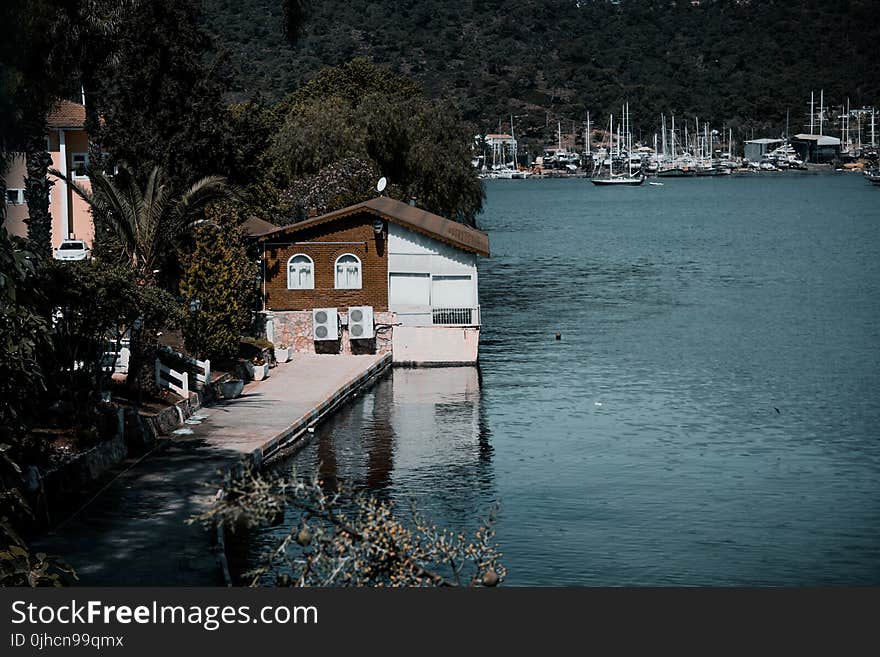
[(645, 447)]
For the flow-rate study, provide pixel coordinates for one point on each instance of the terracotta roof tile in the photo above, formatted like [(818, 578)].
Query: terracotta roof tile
[(433, 225), (256, 227), (66, 114)]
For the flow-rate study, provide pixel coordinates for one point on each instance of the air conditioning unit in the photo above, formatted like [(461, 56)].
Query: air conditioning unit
[(360, 322), (325, 324)]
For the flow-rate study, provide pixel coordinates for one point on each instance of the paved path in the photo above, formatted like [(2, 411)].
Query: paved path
[(134, 533)]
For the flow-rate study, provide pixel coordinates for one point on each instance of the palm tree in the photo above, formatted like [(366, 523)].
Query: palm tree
[(148, 222)]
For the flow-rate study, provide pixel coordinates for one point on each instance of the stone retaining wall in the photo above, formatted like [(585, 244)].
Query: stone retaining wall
[(135, 433), (294, 328)]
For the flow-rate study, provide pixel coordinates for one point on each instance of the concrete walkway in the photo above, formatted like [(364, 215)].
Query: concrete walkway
[(134, 533)]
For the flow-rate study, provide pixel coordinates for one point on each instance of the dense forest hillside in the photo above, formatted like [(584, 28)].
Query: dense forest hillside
[(738, 63)]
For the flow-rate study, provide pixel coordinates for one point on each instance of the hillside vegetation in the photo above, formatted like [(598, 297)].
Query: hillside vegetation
[(741, 63)]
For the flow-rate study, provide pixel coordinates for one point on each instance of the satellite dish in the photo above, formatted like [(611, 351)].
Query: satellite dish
[(381, 185)]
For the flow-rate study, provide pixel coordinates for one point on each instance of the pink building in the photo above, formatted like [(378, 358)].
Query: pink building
[(68, 144)]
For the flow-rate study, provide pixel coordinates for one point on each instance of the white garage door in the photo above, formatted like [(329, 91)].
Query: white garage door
[(410, 297), (410, 291), (452, 292)]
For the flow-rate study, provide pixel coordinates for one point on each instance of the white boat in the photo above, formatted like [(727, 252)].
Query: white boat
[(559, 157), (785, 157), (622, 156), (510, 174)]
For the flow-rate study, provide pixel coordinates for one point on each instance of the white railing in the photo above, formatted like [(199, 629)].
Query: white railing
[(202, 367), (457, 316), (116, 361), (167, 377)]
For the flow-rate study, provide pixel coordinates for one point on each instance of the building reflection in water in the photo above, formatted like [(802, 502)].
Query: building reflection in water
[(418, 435), (418, 432)]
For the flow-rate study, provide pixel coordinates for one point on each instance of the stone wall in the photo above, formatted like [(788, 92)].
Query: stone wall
[(294, 329), (133, 433)]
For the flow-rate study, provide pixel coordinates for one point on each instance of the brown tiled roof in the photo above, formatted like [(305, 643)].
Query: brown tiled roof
[(66, 114), (256, 227), (421, 221)]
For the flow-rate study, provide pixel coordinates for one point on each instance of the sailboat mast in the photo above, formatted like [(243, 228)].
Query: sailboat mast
[(821, 111), (812, 110), (663, 133), (611, 144), (588, 136), (708, 140), (513, 139), (629, 158), (873, 110)]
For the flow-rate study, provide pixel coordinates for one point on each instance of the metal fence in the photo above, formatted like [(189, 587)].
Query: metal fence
[(457, 316)]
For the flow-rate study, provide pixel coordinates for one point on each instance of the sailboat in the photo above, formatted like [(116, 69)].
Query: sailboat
[(506, 171), (600, 176)]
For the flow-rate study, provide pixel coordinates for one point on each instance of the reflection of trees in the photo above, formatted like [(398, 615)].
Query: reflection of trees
[(327, 466), (417, 435), (417, 432), (484, 435)]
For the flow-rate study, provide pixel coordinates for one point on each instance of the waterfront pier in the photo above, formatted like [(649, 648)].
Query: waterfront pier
[(134, 532)]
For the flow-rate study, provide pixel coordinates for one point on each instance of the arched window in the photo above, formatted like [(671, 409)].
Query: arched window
[(348, 272), (300, 273)]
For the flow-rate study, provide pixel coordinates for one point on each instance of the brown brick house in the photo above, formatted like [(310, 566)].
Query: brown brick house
[(324, 243), (416, 270)]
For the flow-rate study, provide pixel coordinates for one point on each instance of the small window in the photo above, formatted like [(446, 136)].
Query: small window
[(79, 162), (300, 273), (14, 196), (348, 272)]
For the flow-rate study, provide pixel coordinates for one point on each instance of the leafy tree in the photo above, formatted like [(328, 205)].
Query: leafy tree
[(93, 304), (352, 81), (22, 335), (221, 275), (37, 186), (22, 383), (319, 132), (343, 183), (160, 95), (362, 111), (148, 221)]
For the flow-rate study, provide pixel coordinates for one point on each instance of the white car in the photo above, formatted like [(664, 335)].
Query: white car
[(73, 250)]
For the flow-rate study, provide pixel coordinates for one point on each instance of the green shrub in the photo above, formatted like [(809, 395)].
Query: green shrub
[(221, 276)]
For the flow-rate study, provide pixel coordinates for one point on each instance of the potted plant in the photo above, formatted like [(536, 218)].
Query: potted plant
[(283, 353), (231, 388), (259, 368)]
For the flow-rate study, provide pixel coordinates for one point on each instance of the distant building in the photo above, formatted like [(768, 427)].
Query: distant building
[(68, 144), (500, 140), (412, 272), (757, 148), (818, 149), (503, 148)]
